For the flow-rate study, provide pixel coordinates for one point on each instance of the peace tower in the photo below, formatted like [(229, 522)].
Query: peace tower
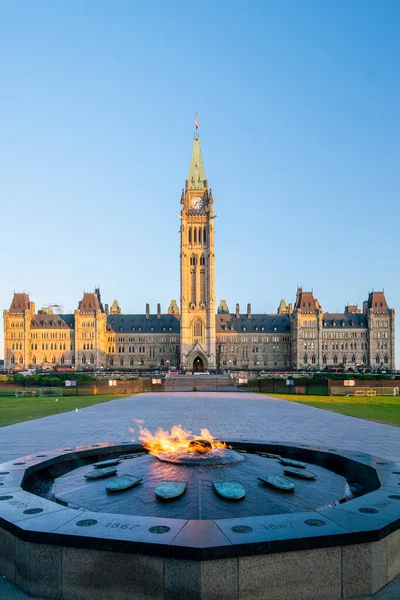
[(197, 268)]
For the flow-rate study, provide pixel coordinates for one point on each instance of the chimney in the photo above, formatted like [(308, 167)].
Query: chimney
[(147, 311), (237, 311), (158, 311), (249, 311)]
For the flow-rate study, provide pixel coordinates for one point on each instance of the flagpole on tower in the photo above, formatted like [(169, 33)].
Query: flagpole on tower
[(196, 122)]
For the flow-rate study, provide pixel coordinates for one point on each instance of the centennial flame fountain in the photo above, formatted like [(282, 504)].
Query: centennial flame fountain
[(182, 515)]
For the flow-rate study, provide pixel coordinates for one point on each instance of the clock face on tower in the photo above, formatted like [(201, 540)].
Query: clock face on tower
[(196, 202)]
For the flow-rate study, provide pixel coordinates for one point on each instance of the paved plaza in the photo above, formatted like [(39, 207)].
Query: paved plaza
[(228, 415)]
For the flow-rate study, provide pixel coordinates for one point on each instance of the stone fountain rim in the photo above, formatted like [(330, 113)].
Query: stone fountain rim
[(202, 540)]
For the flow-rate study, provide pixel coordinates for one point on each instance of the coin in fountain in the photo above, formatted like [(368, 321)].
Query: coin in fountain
[(123, 482), (106, 463), (232, 490), (302, 473), (293, 463), (278, 482), (98, 473), (167, 490)]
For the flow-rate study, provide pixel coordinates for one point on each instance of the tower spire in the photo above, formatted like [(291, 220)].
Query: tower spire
[(197, 178)]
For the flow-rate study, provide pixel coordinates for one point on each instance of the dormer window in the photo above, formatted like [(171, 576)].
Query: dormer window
[(274, 328), (334, 323), (243, 328), (163, 329), (324, 323), (343, 323), (262, 327), (151, 328), (139, 329)]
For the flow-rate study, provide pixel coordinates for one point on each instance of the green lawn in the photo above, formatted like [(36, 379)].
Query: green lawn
[(15, 410), (384, 409)]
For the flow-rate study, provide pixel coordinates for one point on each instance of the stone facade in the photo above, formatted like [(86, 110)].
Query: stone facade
[(196, 337)]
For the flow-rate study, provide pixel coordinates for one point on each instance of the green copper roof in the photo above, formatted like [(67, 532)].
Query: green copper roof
[(197, 178), (282, 306)]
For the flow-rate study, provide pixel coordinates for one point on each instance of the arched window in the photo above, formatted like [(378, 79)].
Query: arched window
[(195, 235), (62, 360), (34, 360), (162, 362), (344, 359), (92, 360), (109, 349), (353, 359), (21, 360), (205, 235), (335, 360), (190, 235), (121, 362), (44, 360), (198, 329), (83, 359), (313, 359), (305, 359), (131, 362), (133, 349), (202, 260), (385, 360), (377, 359), (111, 362), (324, 360)]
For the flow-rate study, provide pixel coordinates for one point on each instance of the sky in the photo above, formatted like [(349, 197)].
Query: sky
[(298, 105)]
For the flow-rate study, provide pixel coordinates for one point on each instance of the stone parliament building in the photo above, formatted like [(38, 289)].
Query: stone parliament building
[(196, 336)]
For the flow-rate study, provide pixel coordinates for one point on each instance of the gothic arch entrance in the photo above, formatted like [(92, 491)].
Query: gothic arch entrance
[(198, 365)]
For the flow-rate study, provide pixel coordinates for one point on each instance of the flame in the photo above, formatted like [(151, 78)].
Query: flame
[(177, 440)]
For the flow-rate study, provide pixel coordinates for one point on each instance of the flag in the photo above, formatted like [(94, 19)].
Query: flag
[(197, 121)]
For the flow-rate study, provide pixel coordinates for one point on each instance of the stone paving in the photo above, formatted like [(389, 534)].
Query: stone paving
[(229, 415)]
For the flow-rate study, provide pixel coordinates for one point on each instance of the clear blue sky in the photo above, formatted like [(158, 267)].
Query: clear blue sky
[(299, 122)]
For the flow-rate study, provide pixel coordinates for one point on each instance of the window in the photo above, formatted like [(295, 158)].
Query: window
[(198, 328), (53, 360), (313, 359), (385, 360), (62, 360), (377, 359), (121, 362), (305, 359), (335, 360), (324, 360)]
